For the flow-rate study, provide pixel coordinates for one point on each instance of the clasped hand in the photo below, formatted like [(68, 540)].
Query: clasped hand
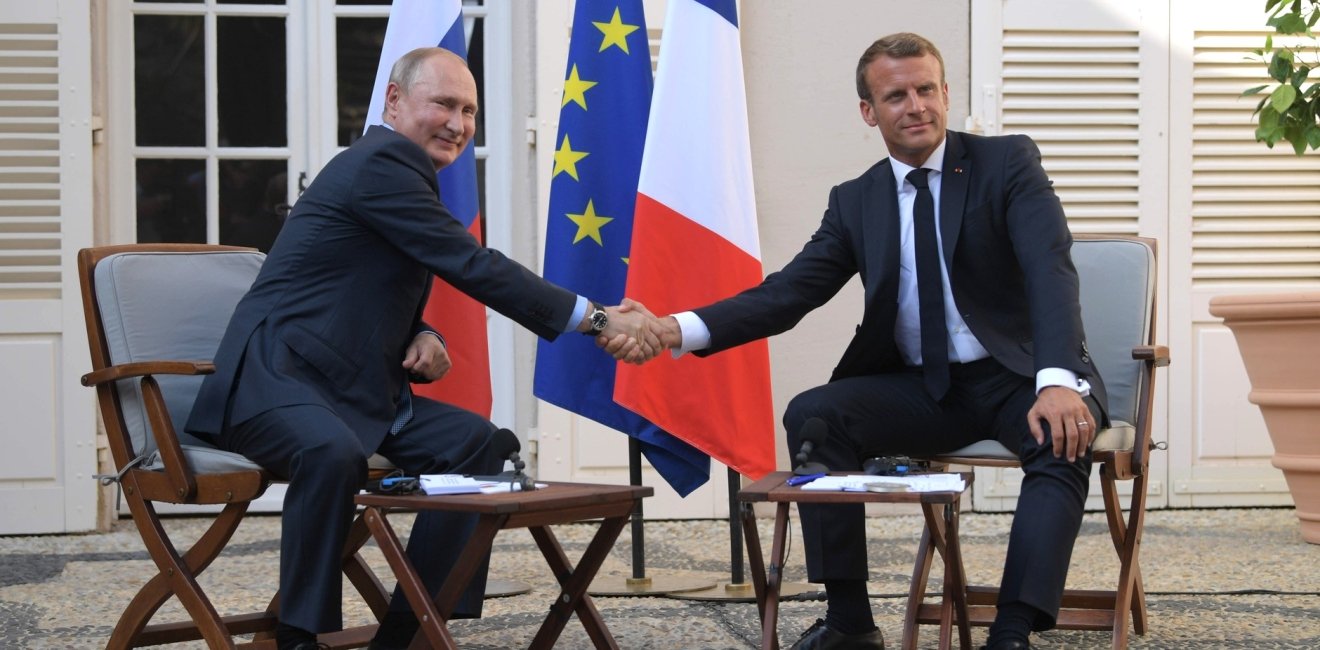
[(635, 335)]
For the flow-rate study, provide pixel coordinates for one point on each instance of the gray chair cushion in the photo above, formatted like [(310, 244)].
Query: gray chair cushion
[(171, 306), (1117, 284), (1116, 438)]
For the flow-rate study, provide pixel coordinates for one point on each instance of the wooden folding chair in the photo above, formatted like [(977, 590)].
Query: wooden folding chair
[(155, 314), (1117, 275)]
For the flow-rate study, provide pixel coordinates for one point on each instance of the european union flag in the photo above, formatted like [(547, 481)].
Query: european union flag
[(598, 155)]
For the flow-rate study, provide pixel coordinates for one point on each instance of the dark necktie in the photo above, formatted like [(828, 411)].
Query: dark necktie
[(405, 413), (930, 289)]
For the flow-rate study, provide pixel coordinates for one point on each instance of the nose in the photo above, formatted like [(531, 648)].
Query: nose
[(915, 105)]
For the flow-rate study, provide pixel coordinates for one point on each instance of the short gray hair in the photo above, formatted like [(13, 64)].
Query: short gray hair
[(406, 69)]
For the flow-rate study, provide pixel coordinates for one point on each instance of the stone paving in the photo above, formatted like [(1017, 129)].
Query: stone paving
[(1235, 578)]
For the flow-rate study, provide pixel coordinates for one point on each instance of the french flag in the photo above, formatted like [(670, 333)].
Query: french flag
[(462, 320), (695, 240)]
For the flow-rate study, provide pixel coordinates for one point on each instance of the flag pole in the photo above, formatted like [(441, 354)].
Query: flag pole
[(640, 584), (737, 589)]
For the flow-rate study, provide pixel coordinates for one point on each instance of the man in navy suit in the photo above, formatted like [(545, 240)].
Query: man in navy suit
[(312, 374), (1001, 354)]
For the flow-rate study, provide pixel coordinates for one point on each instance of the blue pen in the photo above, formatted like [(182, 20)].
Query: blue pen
[(802, 480)]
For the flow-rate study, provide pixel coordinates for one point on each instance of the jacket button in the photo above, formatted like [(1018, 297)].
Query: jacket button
[(1086, 358)]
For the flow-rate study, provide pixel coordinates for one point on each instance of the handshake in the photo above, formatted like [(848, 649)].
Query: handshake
[(635, 335)]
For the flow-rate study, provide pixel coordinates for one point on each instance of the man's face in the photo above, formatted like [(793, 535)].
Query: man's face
[(910, 104), (439, 112)]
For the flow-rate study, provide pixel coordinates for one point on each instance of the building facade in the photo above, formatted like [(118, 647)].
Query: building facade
[(200, 120)]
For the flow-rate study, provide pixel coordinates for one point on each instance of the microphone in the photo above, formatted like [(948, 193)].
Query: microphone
[(505, 444), (812, 433)]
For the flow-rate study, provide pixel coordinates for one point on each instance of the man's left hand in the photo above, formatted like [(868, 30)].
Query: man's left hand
[(1071, 426), (426, 359)]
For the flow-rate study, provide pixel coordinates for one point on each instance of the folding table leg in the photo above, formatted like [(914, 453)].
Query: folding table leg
[(574, 583), (432, 624)]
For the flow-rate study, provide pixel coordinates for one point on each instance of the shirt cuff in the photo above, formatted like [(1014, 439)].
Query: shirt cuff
[(696, 336), (579, 311), (1046, 377), (437, 335)]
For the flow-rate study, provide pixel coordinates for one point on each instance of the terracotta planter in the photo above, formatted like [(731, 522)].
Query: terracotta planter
[(1278, 336)]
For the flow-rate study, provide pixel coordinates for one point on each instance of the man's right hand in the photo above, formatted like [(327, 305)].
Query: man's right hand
[(665, 330), (632, 333)]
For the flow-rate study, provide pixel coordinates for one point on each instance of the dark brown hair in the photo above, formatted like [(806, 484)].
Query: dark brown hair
[(895, 46)]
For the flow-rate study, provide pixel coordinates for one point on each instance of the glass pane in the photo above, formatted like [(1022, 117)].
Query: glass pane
[(252, 92), (477, 64), (251, 2), (171, 201), (253, 201), (168, 77), (358, 42), (349, 3)]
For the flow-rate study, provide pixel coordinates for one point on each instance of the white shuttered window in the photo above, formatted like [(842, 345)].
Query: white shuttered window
[(1255, 212), (29, 161)]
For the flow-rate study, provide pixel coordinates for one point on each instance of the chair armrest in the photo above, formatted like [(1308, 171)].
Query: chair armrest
[(1159, 354), (145, 368), (181, 478)]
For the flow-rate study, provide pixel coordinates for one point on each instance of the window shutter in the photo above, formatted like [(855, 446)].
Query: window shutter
[(1255, 211), (29, 161), (1077, 95)]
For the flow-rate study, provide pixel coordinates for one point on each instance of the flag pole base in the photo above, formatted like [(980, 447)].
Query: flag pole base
[(501, 588), (647, 586), (742, 592)]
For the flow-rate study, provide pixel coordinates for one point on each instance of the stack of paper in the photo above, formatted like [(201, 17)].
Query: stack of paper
[(869, 483), (433, 484)]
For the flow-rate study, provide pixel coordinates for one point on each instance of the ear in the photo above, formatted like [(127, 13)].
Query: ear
[(392, 95), (868, 112)]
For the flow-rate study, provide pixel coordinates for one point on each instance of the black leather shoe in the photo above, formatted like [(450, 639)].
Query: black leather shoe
[(821, 637), (1008, 645)]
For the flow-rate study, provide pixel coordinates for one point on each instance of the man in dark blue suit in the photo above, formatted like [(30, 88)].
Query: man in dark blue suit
[(972, 330), (312, 374)]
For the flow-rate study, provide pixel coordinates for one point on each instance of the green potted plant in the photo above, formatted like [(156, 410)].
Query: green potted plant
[(1288, 112), (1278, 334)]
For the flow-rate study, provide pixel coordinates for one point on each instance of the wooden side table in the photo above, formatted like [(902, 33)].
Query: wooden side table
[(941, 533), (559, 503)]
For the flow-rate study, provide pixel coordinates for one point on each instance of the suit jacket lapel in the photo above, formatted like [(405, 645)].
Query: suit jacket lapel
[(880, 228), (953, 194)]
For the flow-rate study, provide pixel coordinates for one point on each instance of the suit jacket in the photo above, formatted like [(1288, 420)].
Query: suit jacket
[(340, 296), (1006, 247)]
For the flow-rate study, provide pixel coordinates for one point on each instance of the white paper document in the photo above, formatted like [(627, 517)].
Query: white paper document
[(870, 483), (433, 484)]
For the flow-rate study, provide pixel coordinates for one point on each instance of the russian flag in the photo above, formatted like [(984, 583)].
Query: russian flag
[(462, 320), (695, 240)]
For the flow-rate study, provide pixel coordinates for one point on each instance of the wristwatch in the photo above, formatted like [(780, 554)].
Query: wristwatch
[(597, 320)]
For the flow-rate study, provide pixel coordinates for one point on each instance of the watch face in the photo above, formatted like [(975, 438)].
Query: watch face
[(599, 319)]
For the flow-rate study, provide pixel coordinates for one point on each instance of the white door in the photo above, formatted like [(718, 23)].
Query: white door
[(1089, 85), (1243, 219), (48, 428)]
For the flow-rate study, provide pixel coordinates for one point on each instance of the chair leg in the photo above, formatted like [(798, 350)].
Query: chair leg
[(1129, 595), (177, 576)]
